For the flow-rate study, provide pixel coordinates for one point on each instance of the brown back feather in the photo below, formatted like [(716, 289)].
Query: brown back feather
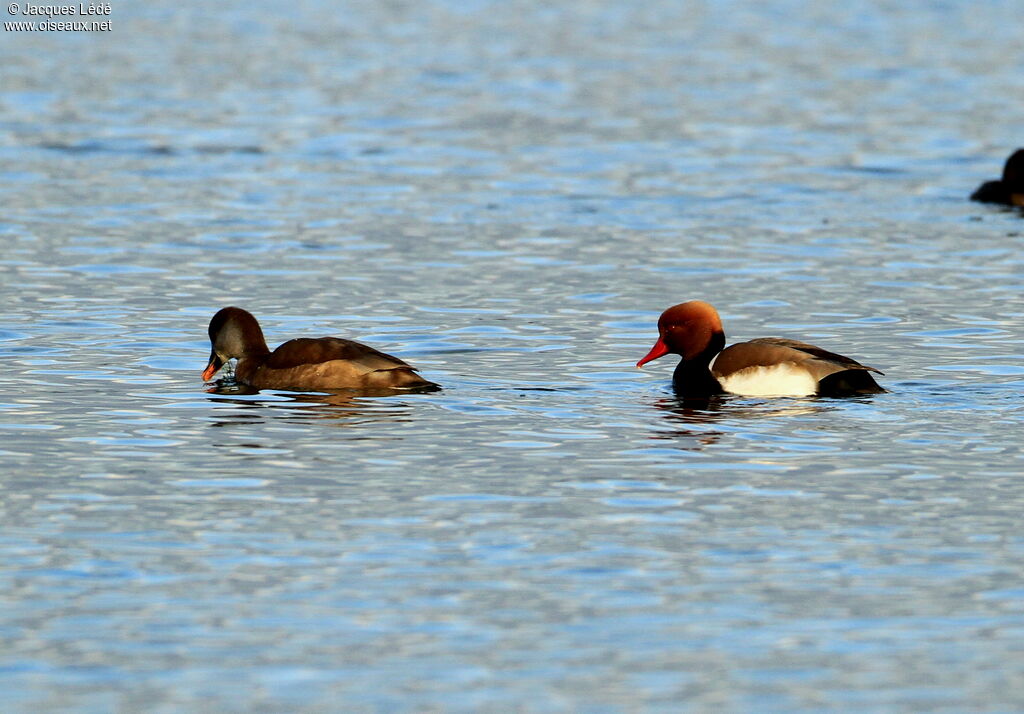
[(307, 350), (766, 351)]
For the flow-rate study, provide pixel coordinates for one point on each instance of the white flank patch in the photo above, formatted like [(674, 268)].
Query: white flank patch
[(780, 380)]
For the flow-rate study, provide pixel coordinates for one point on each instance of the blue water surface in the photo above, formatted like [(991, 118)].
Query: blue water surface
[(507, 195)]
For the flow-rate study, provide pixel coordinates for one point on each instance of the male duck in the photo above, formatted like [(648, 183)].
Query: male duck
[(768, 366)]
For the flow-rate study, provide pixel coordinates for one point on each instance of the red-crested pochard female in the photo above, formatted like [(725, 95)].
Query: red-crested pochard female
[(768, 366), (305, 364), (1010, 189)]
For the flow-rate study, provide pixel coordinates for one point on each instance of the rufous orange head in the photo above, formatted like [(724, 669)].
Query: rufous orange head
[(691, 330)]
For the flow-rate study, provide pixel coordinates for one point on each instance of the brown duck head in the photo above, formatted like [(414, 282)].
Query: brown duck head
[(234, 333)]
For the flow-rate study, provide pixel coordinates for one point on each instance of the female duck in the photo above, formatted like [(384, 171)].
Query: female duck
[(768, 366), (304, 364)]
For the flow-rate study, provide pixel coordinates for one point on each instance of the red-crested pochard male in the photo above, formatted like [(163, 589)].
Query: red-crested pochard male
[(305, 364), (1010, 189), (768, 366)]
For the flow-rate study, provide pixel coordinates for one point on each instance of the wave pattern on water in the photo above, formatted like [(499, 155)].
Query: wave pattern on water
[(507, 196)]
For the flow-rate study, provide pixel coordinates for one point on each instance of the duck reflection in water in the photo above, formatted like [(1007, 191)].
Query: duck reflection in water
[(685, 416), (343, 407)]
